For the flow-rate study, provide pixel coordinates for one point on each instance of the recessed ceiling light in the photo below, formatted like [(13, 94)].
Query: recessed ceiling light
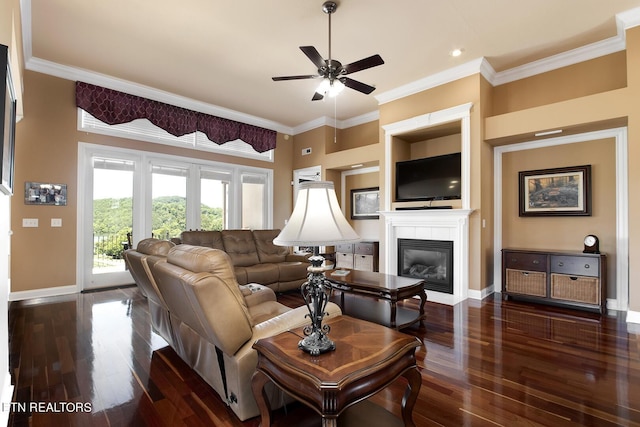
[(550, 132), (456, 52)]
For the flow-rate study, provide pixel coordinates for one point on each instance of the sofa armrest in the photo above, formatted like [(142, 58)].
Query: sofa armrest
[(255, 294), (290, 320)]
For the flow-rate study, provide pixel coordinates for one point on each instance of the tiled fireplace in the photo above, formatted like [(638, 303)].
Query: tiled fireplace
[(448, 229)]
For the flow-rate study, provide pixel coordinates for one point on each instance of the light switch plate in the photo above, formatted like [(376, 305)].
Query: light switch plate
[(29, 222)]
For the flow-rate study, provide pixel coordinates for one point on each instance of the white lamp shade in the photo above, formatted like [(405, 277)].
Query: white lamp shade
[(316, 219)]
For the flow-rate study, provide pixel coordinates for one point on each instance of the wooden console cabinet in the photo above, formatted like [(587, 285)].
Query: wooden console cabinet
[(573, 279)]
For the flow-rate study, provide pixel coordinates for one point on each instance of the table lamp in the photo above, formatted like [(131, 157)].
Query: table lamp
[(316, 221)]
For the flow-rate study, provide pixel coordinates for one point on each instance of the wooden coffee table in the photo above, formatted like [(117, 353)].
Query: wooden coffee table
[(385, 291), (368, 357)]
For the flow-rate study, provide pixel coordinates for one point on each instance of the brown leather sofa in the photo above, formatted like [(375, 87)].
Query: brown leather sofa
[(254, 256), (215, 324)]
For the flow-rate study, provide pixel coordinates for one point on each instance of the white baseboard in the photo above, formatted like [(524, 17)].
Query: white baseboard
[(43, 293), (482, 294), (633, 317)]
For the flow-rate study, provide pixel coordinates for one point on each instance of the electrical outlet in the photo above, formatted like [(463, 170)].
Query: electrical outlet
[(56, 222), (29, 222), (306, 151)]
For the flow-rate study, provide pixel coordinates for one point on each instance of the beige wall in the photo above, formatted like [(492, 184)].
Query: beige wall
[(564, 233), (366, 228), (600, 109), (47, 151), (450, 95), (597, 94)]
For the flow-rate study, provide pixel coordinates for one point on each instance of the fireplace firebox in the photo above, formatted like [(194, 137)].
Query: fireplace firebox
[(429, 260)]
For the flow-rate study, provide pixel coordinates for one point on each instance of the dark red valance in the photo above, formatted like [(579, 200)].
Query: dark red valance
[(113, 107)]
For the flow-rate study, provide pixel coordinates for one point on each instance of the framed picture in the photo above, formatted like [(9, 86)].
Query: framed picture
[(43, 193), (560, 191), (7, 124), (365, 203)]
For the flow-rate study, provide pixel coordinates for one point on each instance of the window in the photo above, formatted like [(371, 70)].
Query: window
[(168, 200), (144, 130), (253, 201), (214, 199)]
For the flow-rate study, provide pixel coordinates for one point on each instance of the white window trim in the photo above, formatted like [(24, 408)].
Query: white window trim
[(143, 130)]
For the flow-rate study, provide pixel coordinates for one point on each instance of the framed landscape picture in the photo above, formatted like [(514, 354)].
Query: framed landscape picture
[(365, 203), (560, 191)]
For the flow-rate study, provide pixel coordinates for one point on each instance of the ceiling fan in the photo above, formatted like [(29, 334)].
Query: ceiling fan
[(331, 71)]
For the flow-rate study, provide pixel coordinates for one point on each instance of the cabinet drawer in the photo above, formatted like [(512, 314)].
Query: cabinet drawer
[(575, 288), (344, 248), (525, 261), (344, 260), (364, 248), (526, 282), (575, 265), (363, 262)]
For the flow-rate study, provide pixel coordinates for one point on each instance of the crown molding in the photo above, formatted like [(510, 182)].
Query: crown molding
[(624, 20), (434, 80), (628, 19), (338, 124), (77, 74), (564, 59)]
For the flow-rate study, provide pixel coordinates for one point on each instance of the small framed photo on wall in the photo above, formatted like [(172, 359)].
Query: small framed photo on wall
[(365, 203)]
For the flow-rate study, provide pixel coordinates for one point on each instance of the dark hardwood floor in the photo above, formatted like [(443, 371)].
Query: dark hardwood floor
[(92, 360)]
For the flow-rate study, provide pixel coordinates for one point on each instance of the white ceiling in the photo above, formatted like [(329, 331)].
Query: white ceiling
[(220, 55)]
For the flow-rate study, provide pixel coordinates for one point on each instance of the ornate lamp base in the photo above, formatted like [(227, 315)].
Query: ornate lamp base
[(316, 343), (316, 295)]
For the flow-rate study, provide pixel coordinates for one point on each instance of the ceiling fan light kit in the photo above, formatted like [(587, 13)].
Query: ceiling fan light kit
[(331, 71)]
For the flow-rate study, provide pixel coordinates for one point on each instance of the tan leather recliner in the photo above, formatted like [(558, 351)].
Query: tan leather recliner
[(140, 260), (200, 289)]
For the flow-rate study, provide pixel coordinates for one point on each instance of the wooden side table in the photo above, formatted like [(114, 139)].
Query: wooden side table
[(368, 357)]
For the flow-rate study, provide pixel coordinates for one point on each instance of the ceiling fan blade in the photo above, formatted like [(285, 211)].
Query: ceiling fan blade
[(308, 76), (356, 85), (317, 96), (363, 64), (313, 54)]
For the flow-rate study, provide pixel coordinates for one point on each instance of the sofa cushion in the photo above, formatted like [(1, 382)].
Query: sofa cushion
[(265, 274), (290, 271), (267, 251), (240, 246), (209, 239)]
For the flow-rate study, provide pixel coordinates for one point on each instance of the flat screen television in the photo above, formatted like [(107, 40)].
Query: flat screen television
[(430, 178)]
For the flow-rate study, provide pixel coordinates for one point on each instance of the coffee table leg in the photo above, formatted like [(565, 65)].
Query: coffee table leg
[(410, 395), (394, 310), (258, 381), (423, 301)]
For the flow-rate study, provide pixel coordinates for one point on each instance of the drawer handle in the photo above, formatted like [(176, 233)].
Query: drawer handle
[(587, 266), (535, 261), (514, 259), (524, 273), (574, 278), (561, 264)]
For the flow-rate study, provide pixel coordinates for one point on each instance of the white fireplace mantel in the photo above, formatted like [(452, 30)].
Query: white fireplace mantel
[(426, 224)]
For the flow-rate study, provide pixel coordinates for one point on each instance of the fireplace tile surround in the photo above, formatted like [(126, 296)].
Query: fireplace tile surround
[(442, 224)]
